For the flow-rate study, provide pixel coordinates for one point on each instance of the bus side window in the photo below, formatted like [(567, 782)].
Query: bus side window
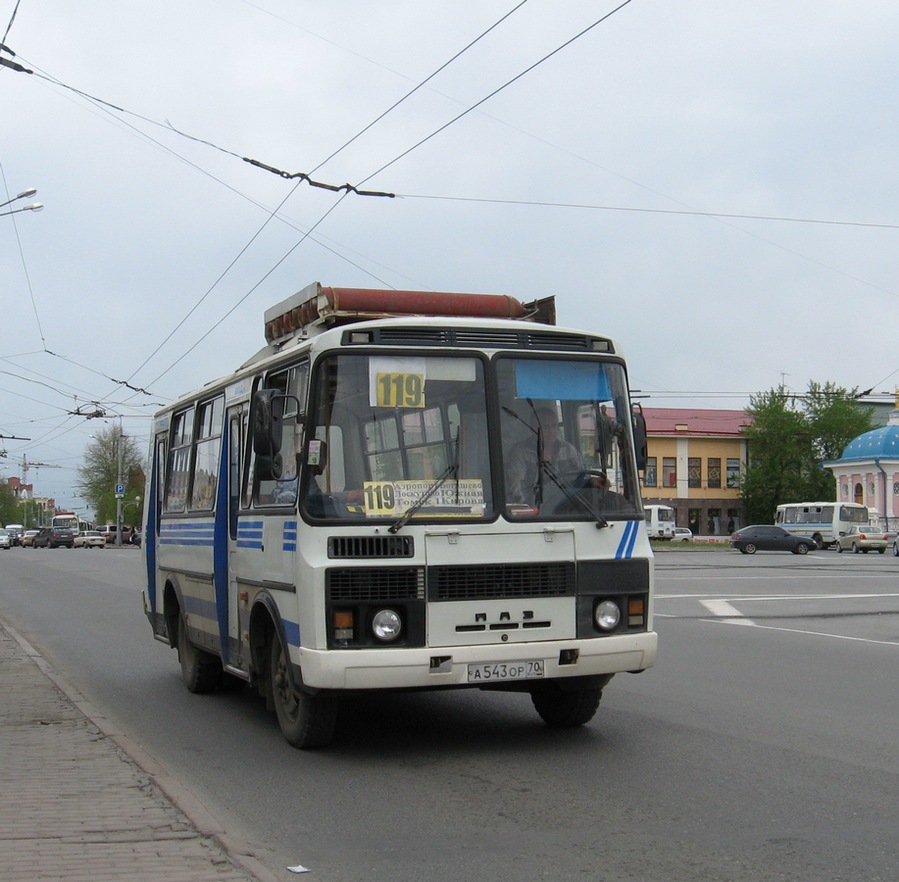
[(178, 472), (206, 455)]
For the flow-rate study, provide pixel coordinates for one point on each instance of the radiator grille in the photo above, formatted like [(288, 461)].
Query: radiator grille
[(377, 584), (357, 547), (499, 581)]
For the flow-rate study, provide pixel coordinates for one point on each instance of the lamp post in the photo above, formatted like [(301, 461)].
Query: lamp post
[(35, 206)]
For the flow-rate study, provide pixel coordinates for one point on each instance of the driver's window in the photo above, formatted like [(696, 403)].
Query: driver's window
[(275, 477)]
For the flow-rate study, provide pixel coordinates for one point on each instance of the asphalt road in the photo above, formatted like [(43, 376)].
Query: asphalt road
[(763, 746)]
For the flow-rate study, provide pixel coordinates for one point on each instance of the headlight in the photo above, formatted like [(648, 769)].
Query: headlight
[(607, 615), (386, 625)]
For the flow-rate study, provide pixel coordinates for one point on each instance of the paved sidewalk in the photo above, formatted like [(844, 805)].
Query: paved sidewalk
[(74, 805)]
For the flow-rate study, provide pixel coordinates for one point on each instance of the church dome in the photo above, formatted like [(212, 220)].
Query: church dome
[(882, 443)]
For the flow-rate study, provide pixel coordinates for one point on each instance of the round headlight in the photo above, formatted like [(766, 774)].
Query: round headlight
[(607, 615), (386, 625)]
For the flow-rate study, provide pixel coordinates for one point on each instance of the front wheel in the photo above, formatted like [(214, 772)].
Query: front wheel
[(802, 548), (839, 548), (564, 709), (306, 720)]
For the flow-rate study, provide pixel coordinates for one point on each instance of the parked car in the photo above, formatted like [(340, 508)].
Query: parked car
[(26, 540), (863, 539), (5, 540), (682, 534), (90, 539), (762, 537), (54, 537)]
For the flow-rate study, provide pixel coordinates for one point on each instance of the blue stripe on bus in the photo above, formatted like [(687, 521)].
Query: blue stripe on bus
[(291, 632), (220, 549), (628, 538), (289, 536), (149, 540)]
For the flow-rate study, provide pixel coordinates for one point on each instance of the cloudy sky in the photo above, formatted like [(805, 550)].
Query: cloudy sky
[(712, 183)]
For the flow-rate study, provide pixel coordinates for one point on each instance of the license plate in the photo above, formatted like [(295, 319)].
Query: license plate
[(514, 670)]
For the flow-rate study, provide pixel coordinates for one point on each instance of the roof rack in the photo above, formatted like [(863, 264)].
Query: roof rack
[(317, 308)]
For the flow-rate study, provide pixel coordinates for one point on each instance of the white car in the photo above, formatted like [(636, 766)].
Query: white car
[(90, 539), (5, 540), (682, 534)]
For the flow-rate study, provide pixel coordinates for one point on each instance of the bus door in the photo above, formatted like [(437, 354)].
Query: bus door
[(238, 615), (265, 532)]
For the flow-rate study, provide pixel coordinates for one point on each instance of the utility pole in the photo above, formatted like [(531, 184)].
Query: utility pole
[(119, 494)]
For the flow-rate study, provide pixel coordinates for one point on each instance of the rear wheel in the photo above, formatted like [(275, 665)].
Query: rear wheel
[(749, 548), (854, 548), (306, 720), (881, 550), (200, 670), (563, 709)]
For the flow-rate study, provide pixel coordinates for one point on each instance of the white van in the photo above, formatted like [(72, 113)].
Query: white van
[(659, 521)]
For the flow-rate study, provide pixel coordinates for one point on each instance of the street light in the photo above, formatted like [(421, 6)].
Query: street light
[(35, 206)]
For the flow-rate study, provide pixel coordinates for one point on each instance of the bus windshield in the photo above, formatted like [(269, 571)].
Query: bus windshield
[(395, 436), (566, 439), (402, 437)]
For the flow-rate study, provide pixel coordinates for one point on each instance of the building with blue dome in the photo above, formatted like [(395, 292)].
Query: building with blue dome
[(868, 470)]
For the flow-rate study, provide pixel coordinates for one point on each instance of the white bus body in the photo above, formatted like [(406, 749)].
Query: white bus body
[(823, 521), (339, 514), (659, 521)]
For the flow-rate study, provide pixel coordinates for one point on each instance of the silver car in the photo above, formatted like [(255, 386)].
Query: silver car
[(863, 539)]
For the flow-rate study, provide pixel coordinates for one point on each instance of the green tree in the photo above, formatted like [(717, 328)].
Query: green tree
[(789, 438), (9, 509), (99, 473)]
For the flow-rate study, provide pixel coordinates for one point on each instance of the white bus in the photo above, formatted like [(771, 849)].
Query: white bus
[(823, 521), (70, 519), (339, 516), (659, 521)]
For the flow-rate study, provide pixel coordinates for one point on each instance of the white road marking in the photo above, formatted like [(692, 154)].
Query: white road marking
[(721, 609)]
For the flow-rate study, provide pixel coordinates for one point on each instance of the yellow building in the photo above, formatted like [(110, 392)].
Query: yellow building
[(695, 458)]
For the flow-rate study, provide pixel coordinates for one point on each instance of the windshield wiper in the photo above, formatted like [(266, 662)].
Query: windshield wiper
[(543, 467), (438, 483)]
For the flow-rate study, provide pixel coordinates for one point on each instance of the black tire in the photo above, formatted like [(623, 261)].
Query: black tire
[(801, 548), (881, 550), (749, 548), (200, 670), (854, 548), (839, 548), (564, 709), (306, 721)]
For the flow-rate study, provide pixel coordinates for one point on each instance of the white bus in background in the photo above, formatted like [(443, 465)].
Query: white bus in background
[(345, 514), (823, 521), (659, 521)]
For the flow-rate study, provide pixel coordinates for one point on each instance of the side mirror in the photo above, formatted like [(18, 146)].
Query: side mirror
[(268, 410)]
